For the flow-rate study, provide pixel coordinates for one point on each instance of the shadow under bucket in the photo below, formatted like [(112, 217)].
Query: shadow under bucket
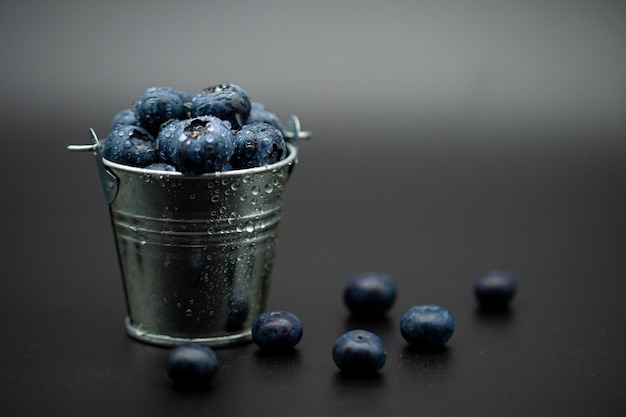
[(196, 252)]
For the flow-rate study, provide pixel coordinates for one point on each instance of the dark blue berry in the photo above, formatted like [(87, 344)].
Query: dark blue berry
[(158, 105), (168, 139), (228, 102), (258, 144), (495, 290), (191, 365), (202, 145), (359, 352), (259, 113), (427, 326), (370, 295), (277, 331), (124, 117), (130, 145)]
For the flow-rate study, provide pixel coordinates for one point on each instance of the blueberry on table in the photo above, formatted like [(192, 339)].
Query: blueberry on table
[(359, 352), (259, 113), (228, 102), (495, 290), (258, 144), (202, 145), (191, 364), (276, 331), (157, 105), (370, 295), (130, 145), (124, 117), (427, 326)]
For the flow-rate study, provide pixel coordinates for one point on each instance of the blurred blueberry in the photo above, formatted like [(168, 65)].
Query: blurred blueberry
[(228, 102), (427, 326), (259, 113), (158, 105), (202, 145), (130, 145), (124, 117), (359, 352), (370, 295), (238, 308), (258, 144), (495, 290), (191, 364), (276, 331)]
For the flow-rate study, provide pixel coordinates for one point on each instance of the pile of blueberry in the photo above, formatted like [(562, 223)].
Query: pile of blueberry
[(218, 128), (359, 351)]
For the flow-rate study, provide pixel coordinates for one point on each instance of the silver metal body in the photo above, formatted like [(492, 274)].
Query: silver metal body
[(196, 252)]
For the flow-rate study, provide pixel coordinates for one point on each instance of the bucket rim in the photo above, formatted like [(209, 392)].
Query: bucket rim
[(291, 158)]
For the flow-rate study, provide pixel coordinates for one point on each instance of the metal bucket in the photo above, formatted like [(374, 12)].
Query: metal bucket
[(196, 252)]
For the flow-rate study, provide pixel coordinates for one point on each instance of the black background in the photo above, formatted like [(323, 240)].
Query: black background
[(449, 139)]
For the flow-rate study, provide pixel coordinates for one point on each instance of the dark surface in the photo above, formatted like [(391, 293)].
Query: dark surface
[(434, 209)]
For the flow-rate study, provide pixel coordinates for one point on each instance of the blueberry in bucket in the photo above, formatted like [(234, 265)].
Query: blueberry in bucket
[(258, 144), (259, 113), (205, 144), (130, 145), (157, 105), (228, 102), (124, 117)]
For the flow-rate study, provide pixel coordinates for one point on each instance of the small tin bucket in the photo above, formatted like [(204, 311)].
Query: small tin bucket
[(196, 252)]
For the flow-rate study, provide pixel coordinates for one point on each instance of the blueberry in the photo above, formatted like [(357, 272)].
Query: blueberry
[(192, 365), (202, 145), (259, 113), (495, 290), (427, 326), (258, 144), (228, 102), (359, 352), (167, 140), (370, 295), (158, 105), (124, 117), (276, 331), (130, 145)]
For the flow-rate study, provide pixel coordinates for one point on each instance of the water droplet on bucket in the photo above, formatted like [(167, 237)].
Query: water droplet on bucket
[(188, 312), (192, 196), (250, 227), (269, 188), (256, 190)]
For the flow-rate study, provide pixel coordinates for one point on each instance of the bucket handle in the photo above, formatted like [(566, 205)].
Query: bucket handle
[(108, 180)]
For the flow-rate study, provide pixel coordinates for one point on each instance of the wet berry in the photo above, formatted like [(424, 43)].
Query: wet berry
[(258, 144), (158, 105), (228, 102), (130, 145)]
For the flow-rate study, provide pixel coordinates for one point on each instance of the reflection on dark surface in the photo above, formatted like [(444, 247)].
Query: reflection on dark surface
[(282, 363), (369, 381), (504, 315), (381, 326), (427, 359)]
